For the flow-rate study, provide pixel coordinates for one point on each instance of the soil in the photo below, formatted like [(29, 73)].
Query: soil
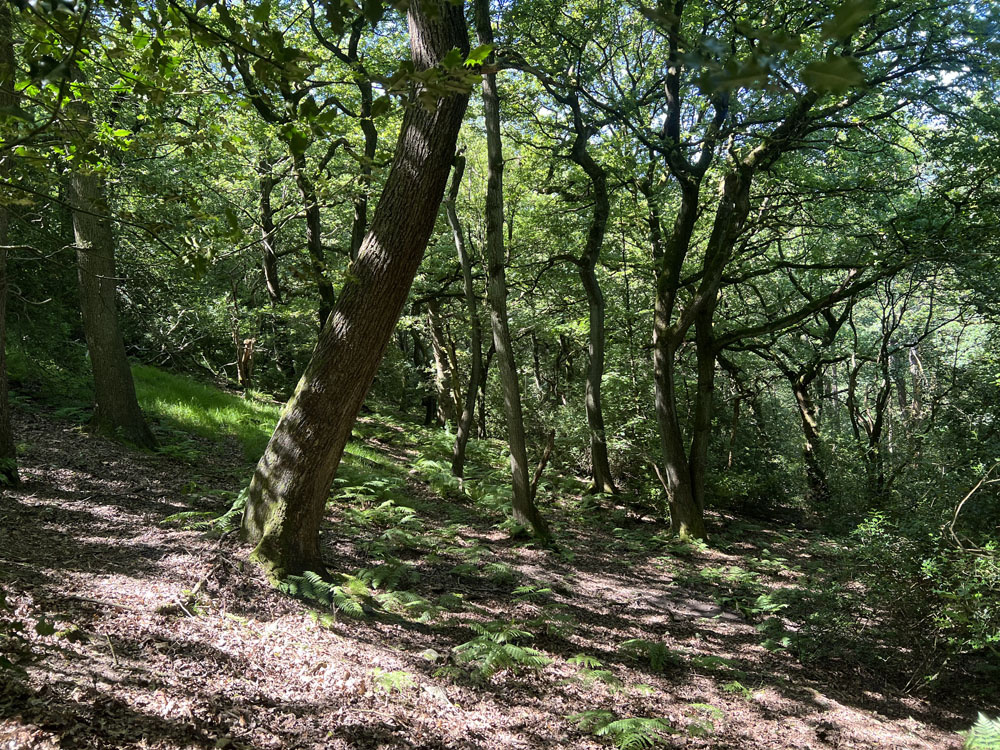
[(138, 661)]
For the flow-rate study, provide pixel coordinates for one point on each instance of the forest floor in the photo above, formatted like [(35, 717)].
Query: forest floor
[(166, 637)]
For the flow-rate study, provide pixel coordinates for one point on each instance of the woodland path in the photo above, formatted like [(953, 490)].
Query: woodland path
[(247, 667)]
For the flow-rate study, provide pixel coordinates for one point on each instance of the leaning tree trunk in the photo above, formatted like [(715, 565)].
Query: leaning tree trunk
[(8, 452), (290, 487), (117, 408), (525, 512), (475, 329)]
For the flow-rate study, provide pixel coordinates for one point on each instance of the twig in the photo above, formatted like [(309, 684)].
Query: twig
[(114, 656)]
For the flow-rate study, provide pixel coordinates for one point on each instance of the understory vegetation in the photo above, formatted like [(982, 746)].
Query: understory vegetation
[(449, 373)]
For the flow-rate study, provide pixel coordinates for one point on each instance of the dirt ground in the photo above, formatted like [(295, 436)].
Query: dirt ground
[(138, 662)]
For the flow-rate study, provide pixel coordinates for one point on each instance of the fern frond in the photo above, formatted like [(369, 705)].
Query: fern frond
[(984, 734)]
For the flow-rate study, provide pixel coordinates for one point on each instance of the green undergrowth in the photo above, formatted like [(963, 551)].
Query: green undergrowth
[(185, 404)]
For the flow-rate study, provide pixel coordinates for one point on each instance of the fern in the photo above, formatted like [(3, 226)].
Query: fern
[(390, 575), (627, 734), (657, 654), (395, 681), (312, 587), (585, 660), (984, 734), (410, 604), (496, 648)]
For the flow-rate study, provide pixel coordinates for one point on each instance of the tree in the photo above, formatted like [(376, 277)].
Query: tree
[(116, 409), (525, 512), (468, 404), (291, 484), (8, 102)]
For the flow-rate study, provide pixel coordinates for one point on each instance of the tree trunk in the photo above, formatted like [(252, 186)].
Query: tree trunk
[(8, 100), (290, 487), (600, 467), (269, 255), (686, 518), (359, 226), (817, 488), (483, 380), (314, 238), (420, 360), (525, 512), (444, 374), (269, 267), (117, 409), (475, 329)]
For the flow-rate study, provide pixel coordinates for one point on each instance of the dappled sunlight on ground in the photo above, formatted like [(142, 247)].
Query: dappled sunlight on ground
[(168, 639)]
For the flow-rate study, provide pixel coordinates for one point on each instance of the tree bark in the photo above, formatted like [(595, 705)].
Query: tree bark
[(444, 371), (525, 512), (269, 267), (817, 487), (269, 255), (600, 466), (287, 496), (467, 416), (314, 238), (8, 452), (117, 408)]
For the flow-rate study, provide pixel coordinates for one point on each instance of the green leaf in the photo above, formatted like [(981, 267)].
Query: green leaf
[(140, 40), (835, 75), (262, 12), (848, 18), (453, 59), (479, 54), (381, 106), (44, 628), (298, 142)]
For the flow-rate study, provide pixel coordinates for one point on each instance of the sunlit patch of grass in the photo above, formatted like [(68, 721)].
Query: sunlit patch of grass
[(203, 409)]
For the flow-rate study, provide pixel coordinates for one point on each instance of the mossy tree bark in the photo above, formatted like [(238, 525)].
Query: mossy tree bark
[(290, 487)]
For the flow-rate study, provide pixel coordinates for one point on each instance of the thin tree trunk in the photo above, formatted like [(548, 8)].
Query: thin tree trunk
[(8, 452), (685, 517), (359, 225), (483, 380), (314, 238), (117, 408), (475, 329), (600, 466), (269, 256), (443, 372), (287, 496), (525, 512), (817, 488), (420, 360), (269, 267)]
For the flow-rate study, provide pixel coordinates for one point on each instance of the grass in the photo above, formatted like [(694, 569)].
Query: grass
[(203, 409)]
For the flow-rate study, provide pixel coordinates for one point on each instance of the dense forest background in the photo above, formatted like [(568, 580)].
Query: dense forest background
[(689, 276)]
